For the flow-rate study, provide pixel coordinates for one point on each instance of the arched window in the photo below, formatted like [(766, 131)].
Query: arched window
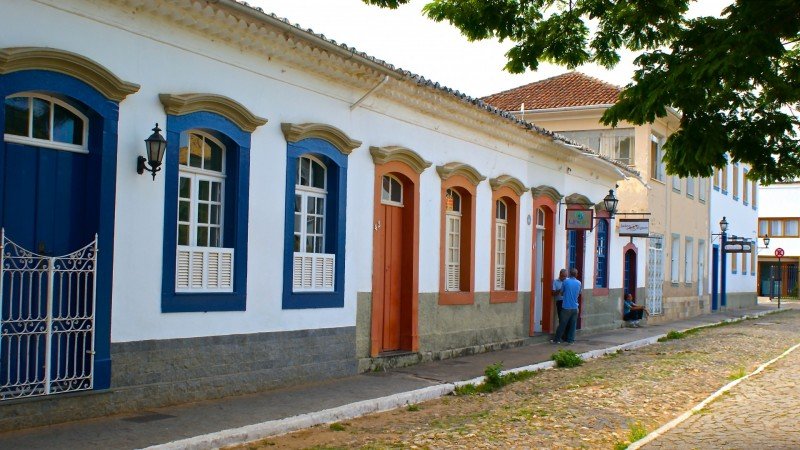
[(44, 121), (453, 244), (202, 262), (540, 219), (391, 191), (309, 206), (601, 249), (501, 231)]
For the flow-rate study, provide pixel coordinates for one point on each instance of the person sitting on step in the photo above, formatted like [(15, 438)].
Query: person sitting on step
[(633, 313)]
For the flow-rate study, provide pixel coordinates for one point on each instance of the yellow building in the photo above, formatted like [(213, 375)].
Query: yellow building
[(676, 250)]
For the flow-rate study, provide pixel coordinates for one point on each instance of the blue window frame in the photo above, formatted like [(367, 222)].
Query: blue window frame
[(601, 251), (236, 200), (572, 249), (335, 205)]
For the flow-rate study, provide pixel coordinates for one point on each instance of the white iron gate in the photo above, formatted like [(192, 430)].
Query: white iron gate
[(655, 275), (47, 321)]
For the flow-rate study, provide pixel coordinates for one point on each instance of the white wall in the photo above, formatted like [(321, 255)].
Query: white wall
[(780, 200), (163, 58)]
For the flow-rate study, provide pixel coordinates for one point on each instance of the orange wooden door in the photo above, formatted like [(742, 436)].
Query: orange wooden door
[(392, 279)]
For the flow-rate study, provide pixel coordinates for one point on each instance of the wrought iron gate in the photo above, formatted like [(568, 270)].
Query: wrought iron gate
[(655, 275), (47, 321)]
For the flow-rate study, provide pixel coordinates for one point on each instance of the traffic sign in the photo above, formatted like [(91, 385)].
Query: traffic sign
[(779, 252)]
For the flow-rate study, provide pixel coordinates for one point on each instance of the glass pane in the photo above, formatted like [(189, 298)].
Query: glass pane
[(318, 246), (216, 191), (386, 188), (318, 174), (17, 116), (202, 213), (195, 151), (213, 156), (319, 226), (762, 227), (202, 236), (183, 156), (297, 219), (310, 225), (309, 244), (304, 172), (215, 242), (397, 191), (298, 203), (296, 243), (310, 209), (185, 188), (41, 119), (214, 217), (456, 202), (203, 195), (320, 206), (183, 211), (67, 127), (791, 227), (775, 228), (183, 234)]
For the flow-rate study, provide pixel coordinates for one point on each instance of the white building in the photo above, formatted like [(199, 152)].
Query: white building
[(778, 218), (318, 212)]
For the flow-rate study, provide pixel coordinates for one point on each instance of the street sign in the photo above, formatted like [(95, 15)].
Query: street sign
[(634, 227), (738, 247), (779, 252)]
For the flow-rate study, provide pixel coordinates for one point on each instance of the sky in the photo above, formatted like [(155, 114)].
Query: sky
[(437, 51)]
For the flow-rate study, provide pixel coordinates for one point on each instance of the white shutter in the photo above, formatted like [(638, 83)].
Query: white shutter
[(226, 271), (182, 271), (453, 253), (196, 270), (500, 278), (213, 270), (313, 272), (204, 269)]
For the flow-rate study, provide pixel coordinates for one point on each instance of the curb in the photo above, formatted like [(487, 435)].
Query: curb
[(277, 427)]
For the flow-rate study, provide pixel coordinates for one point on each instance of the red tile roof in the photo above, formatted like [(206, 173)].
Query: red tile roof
[(562, 91)]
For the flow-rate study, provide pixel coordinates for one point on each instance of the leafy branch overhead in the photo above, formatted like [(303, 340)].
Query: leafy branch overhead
[(734, 79)]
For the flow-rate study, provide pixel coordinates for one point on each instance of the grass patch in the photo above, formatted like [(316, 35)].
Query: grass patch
[(566, 358), (412, 408), (337, 426), (672, 335), (636, 431), (495, 380), (738, 373)]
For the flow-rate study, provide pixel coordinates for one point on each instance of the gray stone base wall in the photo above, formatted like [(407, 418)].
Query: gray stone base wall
[(738, 300), (601, 312), (150, 374)]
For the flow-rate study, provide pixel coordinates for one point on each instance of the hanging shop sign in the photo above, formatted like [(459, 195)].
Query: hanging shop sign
[(634, 227), (579, 219), (738, 247)]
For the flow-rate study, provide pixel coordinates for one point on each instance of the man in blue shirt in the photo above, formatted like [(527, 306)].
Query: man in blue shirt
[(568, 319)]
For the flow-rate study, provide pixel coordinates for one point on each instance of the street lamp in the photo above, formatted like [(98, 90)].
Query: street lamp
[(155, 146), (610, 202), (723, 299), (723, 224), (766, 240)]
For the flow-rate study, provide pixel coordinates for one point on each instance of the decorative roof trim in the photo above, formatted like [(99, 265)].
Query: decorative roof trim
[(456, 168), (180, 104), (15, 59), (547, 191), (297, 132), (578, 199), (508, 181), (383, 155)]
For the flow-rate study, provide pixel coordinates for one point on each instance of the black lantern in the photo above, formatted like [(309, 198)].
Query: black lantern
[(766, 240), (610, 202), (723, 224), (155, 146)]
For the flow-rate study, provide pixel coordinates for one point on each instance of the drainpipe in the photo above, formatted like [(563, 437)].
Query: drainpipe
[(364, 97)]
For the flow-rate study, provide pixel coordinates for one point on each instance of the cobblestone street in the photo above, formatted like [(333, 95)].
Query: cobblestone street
[(606, 403), (761, 412)]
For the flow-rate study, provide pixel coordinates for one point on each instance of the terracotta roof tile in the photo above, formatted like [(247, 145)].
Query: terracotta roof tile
[(562, 91)]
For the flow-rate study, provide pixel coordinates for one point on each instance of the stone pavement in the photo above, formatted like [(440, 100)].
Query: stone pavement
[(761, 412), (281, 408)]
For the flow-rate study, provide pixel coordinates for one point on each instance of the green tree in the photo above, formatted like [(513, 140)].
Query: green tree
[(735, 79)]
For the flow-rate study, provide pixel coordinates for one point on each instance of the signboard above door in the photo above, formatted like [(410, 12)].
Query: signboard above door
[(634, 227), (738, 247), (579, 219)]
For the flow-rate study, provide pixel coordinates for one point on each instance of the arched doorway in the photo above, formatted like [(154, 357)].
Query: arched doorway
[(629, 272), (542, 308)]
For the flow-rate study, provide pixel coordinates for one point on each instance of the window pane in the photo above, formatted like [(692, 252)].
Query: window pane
[(214, 217), (183, 156), (203, 195), (202, 213), (775, 228), (297, 220), (762, 227), (67, 127), (183, 211), (296, 243), (790, 227), (309, 244), (310, 225), (215, 241), (318, 174), (185, 188), (216, 191), (320, 206), (17, 116), (318, 246), (386, 188), (195, 151), (213, 156), (183, 234), (202, 236), (41, 119), (305, 169), (298, 203), (397, 191), (310, 205), (319, 226)]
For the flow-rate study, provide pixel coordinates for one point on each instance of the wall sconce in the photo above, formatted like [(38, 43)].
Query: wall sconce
[(766, 240), (155, 147), (610, 202)]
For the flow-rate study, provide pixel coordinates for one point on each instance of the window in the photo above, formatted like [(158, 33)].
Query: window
[(453, 243), (701, 266), (745, 188), (717, 176), (724, 175), (656, 154), (676, 183), (745, 257), (312, 268), (601, 249), (688, 260), (501, 229), (763, 227), (540, 218), (44, 121), (734, 263), (674, 259), (754, 194), (203, 265), (753, 254), (617, 144), (790, 227), (735, 182), (776, 228), (391, 191), (779, 227), (690, 187)]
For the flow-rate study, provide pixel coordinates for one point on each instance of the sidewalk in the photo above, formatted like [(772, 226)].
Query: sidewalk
[(240, 419)]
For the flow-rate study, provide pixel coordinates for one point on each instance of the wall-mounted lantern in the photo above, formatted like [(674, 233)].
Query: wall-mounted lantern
[(155, 146)]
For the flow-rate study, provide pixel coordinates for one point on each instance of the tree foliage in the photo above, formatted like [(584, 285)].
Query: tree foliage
[(734, 79)]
